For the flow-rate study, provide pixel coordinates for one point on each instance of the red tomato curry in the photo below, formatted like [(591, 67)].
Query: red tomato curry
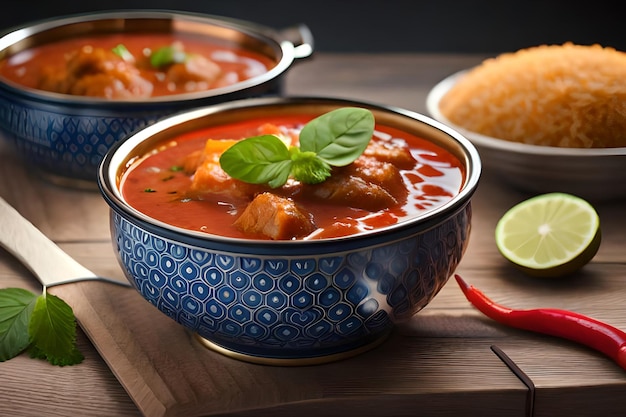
[(132, 65), (398, 176)]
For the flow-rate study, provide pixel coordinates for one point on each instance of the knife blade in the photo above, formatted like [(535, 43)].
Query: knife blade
[(47, 261)]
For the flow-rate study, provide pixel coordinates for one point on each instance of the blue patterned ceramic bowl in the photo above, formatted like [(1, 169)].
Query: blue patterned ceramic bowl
[(65, 137), (290, 302)]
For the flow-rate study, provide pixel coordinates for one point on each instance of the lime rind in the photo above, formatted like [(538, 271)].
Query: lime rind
[(549, 234)]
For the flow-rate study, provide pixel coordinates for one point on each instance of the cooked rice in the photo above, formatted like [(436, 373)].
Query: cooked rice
[(552, 95)]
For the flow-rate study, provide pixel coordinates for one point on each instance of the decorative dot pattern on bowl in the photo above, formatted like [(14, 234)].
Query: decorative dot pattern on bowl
[(67, 147), (291, 308)]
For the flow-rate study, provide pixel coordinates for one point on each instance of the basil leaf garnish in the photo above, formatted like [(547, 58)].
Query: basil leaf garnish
[(340, 136), (335, 138), (167, 55), (258, 160)]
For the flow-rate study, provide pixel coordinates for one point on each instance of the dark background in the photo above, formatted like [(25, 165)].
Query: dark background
[(482, 26)]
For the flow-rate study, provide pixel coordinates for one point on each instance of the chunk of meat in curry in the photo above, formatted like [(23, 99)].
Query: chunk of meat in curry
[(209, 178), (195, 73), (381, 184), (96, 72), (351, 190), (276, 217), (99, 72), (373, 182)]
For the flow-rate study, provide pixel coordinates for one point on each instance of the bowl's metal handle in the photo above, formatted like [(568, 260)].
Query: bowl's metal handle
[(301, 37)]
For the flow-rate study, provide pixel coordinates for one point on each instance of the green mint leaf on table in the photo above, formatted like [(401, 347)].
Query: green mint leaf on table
[(335, 138), (16, 307), (72, 357), (52, 329), (44, 325)]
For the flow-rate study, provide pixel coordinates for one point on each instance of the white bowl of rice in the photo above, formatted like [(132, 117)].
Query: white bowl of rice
[(544, 119)]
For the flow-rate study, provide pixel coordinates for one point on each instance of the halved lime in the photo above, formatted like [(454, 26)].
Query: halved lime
[(549, 235)]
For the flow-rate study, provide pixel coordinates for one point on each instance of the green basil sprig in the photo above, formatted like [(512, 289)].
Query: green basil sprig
[(162, 57), (167, 55), (335, 138)]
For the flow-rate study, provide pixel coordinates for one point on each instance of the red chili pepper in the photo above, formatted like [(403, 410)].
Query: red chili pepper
[(554, 322)]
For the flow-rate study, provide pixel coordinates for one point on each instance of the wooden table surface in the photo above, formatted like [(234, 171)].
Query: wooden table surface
[(441, 363)]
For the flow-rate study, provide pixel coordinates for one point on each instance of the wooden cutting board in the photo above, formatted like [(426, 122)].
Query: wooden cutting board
[(426, 364)]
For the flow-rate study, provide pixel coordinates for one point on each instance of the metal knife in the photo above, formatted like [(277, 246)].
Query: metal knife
[(48, 262)]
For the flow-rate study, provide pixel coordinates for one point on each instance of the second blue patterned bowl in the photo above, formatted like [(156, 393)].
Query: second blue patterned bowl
[(64, 137), (290, 302)]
